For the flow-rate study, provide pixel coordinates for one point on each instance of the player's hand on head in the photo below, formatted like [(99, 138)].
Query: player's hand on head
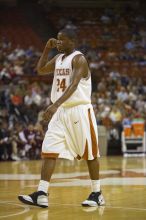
[(51, 43)]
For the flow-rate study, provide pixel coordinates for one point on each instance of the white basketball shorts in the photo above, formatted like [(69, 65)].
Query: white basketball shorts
[(72, 133)]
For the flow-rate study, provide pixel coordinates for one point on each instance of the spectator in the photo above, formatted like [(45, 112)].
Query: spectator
[(122, 94), (5, 142)]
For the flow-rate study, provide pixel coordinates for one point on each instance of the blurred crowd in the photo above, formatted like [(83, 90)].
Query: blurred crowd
[(16, 61), (119, 92), (117, 34), (119, 99), (21, 128)]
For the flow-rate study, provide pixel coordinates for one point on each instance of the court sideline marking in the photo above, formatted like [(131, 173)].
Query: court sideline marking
[(26, 209)]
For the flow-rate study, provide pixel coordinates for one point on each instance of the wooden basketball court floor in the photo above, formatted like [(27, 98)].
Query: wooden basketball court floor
[(123, 184)]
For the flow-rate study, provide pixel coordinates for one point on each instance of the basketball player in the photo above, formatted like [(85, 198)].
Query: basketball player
[(72, 130)]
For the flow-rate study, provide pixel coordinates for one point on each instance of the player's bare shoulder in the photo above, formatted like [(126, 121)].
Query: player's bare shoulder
[(80, 63)]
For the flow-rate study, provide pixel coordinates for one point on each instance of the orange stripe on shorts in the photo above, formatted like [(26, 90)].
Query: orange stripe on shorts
[(85, 155), (49, 155), (93, 136)]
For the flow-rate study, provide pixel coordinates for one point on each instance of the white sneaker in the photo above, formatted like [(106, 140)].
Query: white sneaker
[(38, 198), (94, 199)]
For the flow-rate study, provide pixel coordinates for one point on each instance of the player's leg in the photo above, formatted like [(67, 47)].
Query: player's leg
[(48, 166), (52, 147), (96, 197), (40, 197), (82, 139), (93, 167)]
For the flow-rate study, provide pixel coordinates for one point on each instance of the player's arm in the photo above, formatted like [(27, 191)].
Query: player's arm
[(44, 65), (80, 70)]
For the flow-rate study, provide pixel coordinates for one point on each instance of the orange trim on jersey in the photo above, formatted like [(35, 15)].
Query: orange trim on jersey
[(93, 136), (85, 155), (49, 155)]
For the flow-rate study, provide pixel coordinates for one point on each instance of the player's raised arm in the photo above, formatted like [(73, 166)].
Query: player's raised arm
[(44, 65)]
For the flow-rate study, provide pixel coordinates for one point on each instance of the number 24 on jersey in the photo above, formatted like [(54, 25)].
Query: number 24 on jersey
[(61, 84)]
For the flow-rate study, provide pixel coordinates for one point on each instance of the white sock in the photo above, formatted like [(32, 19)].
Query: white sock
[(43, 186), (95, 184)]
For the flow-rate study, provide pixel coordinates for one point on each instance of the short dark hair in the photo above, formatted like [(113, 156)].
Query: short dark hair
[(70, 33)]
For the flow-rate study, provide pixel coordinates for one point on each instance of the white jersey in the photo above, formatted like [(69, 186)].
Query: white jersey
[(62, 79)]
